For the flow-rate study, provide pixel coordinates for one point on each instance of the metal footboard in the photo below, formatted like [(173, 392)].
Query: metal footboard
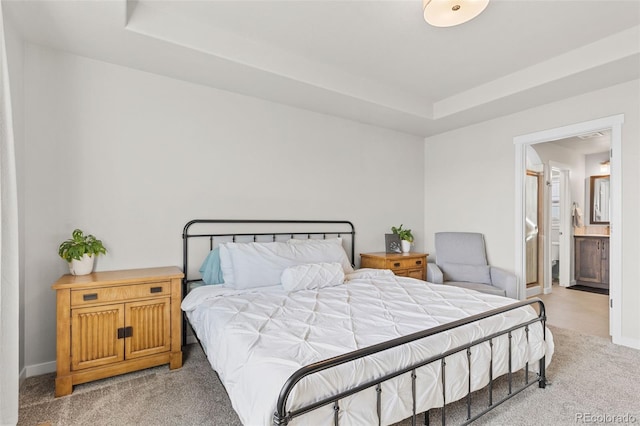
[(282, 415)]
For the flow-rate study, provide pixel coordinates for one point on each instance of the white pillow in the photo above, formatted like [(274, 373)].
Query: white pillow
[(312, 276), (226, 266), (321, 251), (466, 273), (249, 265)]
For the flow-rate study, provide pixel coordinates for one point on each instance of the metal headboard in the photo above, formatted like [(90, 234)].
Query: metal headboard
[(337, 228)]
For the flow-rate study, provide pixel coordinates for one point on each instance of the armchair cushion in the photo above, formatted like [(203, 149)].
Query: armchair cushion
[(434, 274), (460, 247), (466, 273)]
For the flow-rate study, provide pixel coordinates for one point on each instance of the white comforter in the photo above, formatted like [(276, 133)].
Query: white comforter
[(255, 339)]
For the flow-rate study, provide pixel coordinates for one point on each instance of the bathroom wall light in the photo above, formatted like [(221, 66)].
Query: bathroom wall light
[(605, 167), (447, 13)]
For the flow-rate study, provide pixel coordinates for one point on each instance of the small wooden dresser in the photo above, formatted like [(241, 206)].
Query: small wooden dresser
[(115, 322), (412, 265)]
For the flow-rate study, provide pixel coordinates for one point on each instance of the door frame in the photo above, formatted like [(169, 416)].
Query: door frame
[(614, 123)]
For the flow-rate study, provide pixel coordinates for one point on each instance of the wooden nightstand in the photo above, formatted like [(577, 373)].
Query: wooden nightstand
[(115, 322), (412, 265)]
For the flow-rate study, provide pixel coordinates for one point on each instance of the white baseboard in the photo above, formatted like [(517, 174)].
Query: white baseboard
[(533, 291), (628, 342), (38, 369), (22, 377)]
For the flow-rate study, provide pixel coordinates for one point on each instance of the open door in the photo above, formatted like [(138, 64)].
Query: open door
[(566, 261), (534, 202), (559, 230)]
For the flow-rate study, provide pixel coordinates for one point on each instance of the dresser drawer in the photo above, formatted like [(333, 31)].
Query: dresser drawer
[(116, 294), (404, 263)]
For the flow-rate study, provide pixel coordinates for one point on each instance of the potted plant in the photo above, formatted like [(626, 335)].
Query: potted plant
[(80, 251), (406, 237)]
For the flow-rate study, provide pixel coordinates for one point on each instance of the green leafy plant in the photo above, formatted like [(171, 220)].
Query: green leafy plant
[(404, 234), (80, 244)]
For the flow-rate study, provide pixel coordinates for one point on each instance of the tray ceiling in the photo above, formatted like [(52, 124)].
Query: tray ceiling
[(376, 62)]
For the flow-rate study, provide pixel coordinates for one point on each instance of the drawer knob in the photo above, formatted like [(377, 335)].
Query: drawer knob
[(397, 264), (156, 289), (418, 262), (91, 296)]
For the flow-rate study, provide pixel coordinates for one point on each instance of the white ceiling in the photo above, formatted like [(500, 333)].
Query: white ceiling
[(592, 143), (376, 62)]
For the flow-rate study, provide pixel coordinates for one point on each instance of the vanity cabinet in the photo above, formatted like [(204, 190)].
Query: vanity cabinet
[(592, 260)]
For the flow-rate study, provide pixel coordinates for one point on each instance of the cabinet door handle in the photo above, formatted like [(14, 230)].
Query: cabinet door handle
[(418, 262), (156, 290), (397, 264), (125, 332), (91, 296), (598, 245)]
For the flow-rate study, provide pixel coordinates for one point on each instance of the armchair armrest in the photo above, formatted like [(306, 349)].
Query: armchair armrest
[(434, 274), (505, 280)]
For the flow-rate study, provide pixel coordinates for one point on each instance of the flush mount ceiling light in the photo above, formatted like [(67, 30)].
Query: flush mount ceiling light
[(447, 13)]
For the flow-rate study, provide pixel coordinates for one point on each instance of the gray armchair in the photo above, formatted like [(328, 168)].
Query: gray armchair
[(461, 261)]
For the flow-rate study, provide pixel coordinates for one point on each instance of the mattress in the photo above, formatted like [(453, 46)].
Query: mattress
[(255, 339)]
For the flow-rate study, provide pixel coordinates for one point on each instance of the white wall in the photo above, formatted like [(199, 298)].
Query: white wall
[(592, 163), (11, 304), (551, 152), (469, 181), (16, 75), (131, 157)]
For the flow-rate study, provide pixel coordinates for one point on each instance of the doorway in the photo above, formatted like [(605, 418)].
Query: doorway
[(614, 123)]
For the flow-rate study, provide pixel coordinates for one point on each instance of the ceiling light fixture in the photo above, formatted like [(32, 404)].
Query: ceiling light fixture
[(447, 13)]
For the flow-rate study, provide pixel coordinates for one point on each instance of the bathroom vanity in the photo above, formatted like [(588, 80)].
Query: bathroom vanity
[(592, 260)]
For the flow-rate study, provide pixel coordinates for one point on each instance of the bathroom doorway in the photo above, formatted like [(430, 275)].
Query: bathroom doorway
[(525, 142), (561, 198)]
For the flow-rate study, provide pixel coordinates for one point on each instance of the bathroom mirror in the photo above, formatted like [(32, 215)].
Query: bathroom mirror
[(600, 206)]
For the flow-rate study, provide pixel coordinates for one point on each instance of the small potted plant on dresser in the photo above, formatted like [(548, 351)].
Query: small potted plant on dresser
[(406, 238), (80, 252)]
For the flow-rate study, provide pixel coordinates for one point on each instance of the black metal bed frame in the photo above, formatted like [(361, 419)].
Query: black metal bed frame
[(282, 416), (346, 228)]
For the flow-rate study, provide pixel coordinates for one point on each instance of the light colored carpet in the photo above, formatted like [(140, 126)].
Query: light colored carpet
[(590, 377)]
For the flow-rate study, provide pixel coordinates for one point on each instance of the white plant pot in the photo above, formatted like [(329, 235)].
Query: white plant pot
[(83, 266), (406, 246)]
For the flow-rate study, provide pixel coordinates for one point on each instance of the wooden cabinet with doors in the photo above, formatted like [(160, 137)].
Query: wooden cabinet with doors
[(412, 265), (115, 322), (592, 260)]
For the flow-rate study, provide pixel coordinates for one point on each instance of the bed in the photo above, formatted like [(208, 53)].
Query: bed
[(321, 343)]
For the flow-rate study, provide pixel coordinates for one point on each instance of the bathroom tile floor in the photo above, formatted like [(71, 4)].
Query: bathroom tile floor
[(581, 311)]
